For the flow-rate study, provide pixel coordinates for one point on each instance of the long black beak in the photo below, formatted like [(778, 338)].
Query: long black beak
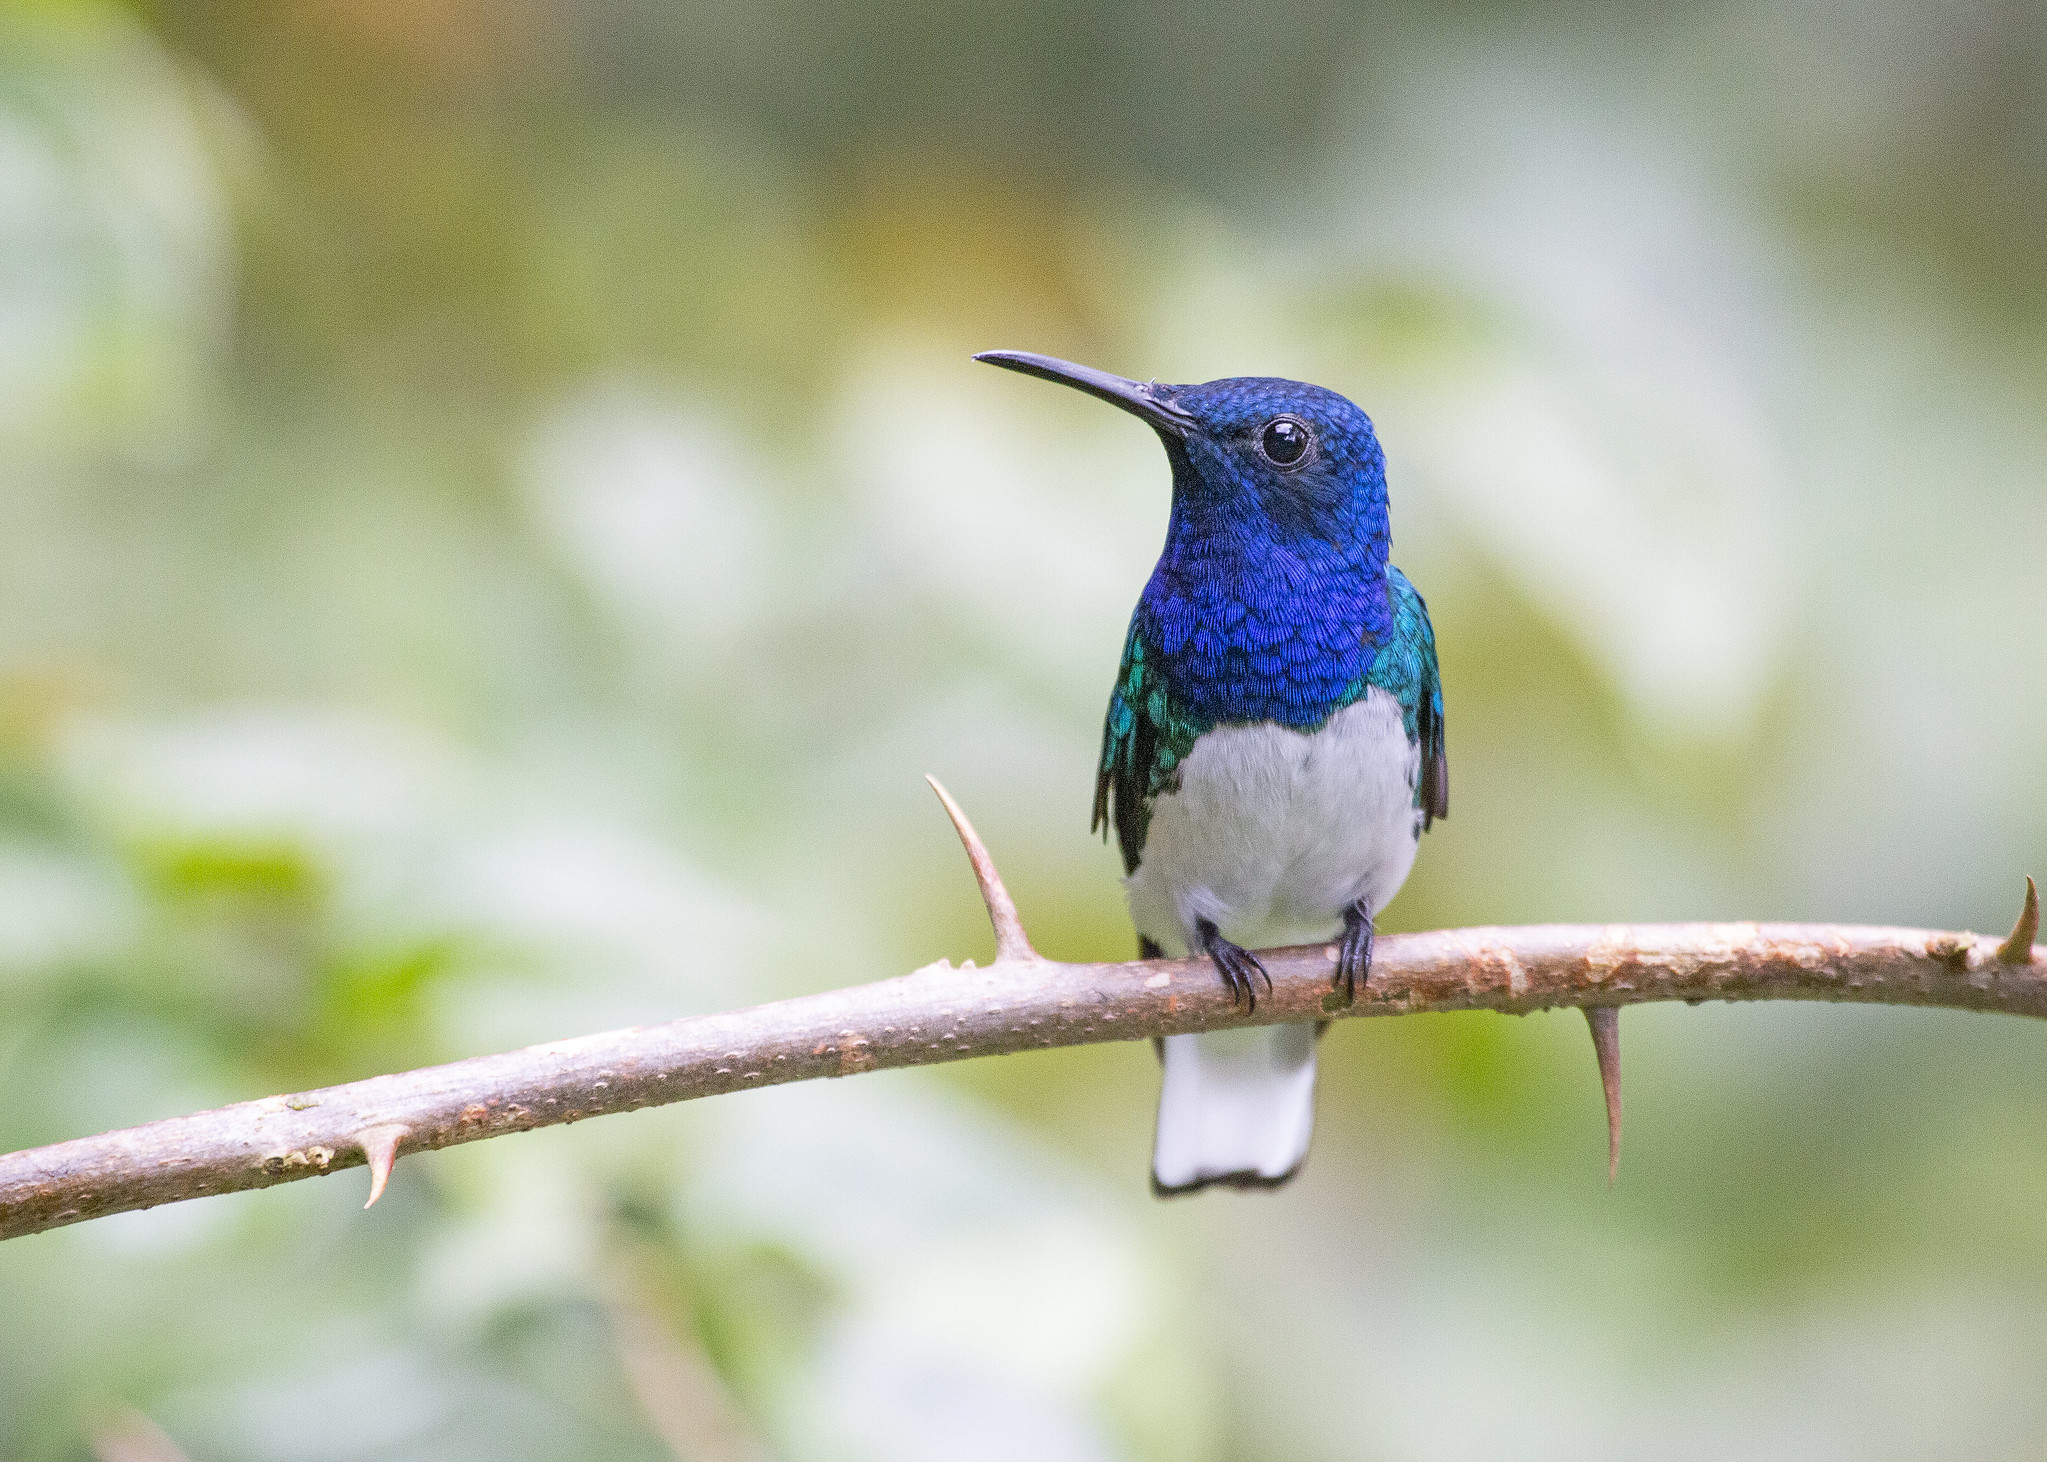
[(1149, 402)]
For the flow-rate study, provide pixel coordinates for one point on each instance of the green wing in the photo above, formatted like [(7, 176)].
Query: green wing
[(1406, 666), (1145, 736)]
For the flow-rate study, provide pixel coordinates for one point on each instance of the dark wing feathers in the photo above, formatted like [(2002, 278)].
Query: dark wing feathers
[(1435, 788), (1123, 792)]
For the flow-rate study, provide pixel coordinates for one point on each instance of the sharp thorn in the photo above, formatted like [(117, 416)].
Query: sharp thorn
[(1011, 943), (1605, 1021), (380, 1150), (2018, 950)]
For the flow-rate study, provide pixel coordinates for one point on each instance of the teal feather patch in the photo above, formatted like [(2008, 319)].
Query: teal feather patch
[(1406, 668), (1145, 737)]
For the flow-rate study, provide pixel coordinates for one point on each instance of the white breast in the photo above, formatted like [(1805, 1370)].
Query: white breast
[(1273, 833)]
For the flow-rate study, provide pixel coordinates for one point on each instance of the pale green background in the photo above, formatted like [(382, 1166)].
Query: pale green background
[(497, 517)]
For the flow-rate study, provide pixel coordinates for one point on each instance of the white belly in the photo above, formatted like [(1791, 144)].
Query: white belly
[(1273, 833)]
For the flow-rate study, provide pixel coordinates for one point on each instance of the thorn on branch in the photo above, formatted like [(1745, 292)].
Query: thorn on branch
[(2018, 950), (1605, 1021), (1011, 943), (380, 1151)]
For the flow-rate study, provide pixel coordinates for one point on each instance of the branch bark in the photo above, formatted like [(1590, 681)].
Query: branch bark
[(1021, 1002)]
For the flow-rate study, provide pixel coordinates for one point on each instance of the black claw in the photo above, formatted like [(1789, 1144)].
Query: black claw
[(1354, 954), (1235, 964)]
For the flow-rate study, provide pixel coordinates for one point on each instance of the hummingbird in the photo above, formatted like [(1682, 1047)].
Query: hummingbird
[(1273, 749)]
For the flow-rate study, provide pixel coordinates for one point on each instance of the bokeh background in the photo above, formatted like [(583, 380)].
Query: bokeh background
[(497, 517)]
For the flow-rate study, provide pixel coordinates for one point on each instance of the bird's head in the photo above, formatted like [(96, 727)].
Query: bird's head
[(1250, 453)]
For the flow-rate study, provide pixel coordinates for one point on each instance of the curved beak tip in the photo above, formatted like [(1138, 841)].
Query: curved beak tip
[(1134, 397)]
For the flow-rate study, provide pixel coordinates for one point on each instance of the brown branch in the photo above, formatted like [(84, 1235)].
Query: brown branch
[(1020, 1003)]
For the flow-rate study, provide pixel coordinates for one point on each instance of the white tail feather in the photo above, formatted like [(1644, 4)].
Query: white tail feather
[(1237, 1106)]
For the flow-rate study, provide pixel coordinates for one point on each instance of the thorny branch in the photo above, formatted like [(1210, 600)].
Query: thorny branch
[(1020, 1002)]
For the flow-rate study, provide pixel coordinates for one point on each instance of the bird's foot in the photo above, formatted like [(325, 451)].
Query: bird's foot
[(1354, 953), (1237, 965)]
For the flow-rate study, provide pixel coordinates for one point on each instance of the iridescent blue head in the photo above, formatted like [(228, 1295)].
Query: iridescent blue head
[(1271, 597)]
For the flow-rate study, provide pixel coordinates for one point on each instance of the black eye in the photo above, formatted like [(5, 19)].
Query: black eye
[(1286, 441)]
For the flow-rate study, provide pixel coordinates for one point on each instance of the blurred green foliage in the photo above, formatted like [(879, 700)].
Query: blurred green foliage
[(496, 518)]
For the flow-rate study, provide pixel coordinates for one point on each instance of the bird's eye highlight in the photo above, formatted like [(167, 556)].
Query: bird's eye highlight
[(1286, 441)]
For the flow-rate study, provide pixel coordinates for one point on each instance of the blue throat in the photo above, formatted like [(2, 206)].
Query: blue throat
[(1264, 608)]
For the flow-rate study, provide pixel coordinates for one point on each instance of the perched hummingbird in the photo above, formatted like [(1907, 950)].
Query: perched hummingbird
[(1273, 749)]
